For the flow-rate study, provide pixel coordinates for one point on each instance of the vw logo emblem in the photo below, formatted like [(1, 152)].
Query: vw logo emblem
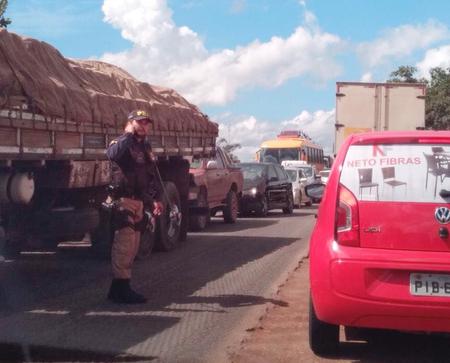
[(442, 215)]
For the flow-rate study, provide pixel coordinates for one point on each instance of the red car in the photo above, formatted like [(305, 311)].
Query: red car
[(380, 250)]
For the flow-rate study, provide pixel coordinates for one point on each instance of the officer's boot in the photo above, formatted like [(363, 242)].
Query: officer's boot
[(120, 292)]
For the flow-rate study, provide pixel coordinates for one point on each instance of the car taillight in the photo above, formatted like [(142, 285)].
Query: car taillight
[(347, 218)]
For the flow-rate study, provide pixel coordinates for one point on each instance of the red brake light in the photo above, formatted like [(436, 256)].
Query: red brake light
[(347, 218)]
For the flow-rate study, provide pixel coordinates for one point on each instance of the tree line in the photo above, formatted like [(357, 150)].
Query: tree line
[(4, 22), (437, 101)]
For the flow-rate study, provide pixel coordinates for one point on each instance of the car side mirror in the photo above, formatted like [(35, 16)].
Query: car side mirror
[(212, 164), (315, 191)]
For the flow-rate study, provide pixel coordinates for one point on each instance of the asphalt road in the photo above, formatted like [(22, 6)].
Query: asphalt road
[(202, 296)]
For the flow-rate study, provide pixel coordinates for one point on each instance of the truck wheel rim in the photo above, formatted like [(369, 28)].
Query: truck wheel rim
[(264, 205), (174, 221)]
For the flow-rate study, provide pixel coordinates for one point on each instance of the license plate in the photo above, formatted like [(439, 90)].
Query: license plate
[(422, 284)]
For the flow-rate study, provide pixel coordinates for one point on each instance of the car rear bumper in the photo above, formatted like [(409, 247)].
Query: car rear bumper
[(251, 202), (367, 291)]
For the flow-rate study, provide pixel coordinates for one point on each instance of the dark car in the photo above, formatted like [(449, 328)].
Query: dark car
[(266, 186)]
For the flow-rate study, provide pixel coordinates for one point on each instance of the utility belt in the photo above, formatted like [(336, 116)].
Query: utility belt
[(120, 217), (117, 192)]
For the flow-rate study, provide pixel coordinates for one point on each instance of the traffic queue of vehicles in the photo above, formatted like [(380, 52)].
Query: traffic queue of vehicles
[(219, 184), (53, 169)]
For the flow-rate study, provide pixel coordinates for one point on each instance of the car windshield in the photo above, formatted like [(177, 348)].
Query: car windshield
[(278, 155), (253, 171), (307, 171), (292, 174)]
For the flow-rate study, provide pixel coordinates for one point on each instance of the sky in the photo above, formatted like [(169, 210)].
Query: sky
[(256, 67)]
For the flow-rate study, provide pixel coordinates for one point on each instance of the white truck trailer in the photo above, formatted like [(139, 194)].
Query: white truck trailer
[(362, 107)]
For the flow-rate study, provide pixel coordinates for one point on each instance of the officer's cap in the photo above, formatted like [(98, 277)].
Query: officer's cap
[(139, 115)]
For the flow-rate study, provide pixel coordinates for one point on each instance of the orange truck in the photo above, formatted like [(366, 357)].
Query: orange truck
[(57, 116)]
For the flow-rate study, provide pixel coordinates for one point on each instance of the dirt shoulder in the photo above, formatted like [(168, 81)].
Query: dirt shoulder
[(282, 335)]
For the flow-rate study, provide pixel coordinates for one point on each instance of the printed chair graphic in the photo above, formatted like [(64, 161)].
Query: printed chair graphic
[(389, 179), (442, 156), (437, 149), (365, 181), (437, 168)]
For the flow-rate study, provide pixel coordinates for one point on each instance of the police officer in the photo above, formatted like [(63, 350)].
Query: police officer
[(137, 188)]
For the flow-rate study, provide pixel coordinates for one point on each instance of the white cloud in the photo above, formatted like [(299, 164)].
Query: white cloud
[(251, 132), (437, 57), (166, 54), (247, 131), (319, 125), (401, 41), (367, 77)]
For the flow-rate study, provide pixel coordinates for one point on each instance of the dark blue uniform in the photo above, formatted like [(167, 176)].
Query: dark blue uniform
[(134, 172)]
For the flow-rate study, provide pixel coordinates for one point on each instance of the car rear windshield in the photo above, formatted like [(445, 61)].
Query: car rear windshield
[(307, 171), (398, 172), (292, 174), (252, 171)]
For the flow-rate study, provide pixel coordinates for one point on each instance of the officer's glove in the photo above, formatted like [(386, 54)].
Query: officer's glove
[(146, 223), (158, 208)]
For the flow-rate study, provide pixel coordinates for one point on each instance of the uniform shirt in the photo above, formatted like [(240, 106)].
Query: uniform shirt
[(137, 175)]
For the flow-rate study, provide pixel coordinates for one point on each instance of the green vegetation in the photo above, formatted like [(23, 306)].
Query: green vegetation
[(229, 148), (4, 22), (437, 103)]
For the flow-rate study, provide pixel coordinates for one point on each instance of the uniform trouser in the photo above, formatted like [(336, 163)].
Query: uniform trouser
[(126, 240)]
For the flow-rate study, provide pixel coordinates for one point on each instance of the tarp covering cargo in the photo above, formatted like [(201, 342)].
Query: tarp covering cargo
[(87, 91)]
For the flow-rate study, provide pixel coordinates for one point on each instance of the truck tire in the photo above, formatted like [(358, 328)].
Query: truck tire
[(231, 209), (289, 209), (184, 221), (263, 208), (199, 222), (168, 224), (300, 197)]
